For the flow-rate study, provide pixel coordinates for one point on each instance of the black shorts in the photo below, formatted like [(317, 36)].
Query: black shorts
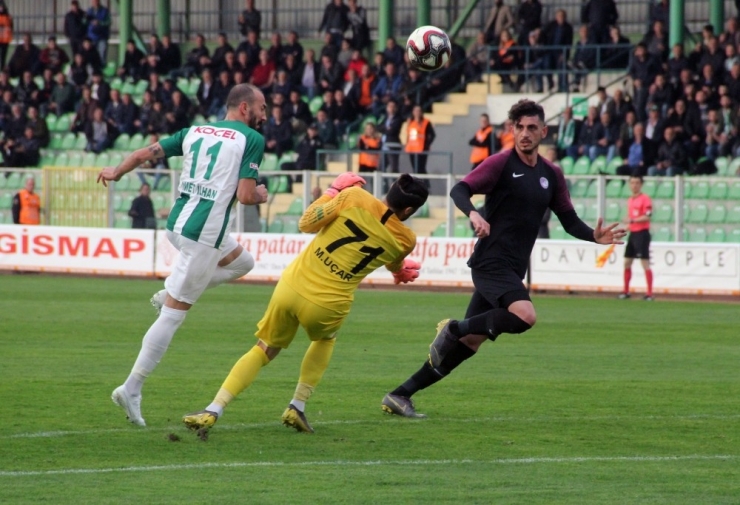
[(638, 245), (495, 290)]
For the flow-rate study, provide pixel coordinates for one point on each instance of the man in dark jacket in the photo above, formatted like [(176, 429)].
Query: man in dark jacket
[(250, 20), (599, 15), (74, 26), (25, 58), (530, 18), (391, 131), (278, 133), (558, 33), (142, 210), (671, 159), (335, 21), (169, 54)]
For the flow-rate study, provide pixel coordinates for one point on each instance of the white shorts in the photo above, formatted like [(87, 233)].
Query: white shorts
[(194, 266)]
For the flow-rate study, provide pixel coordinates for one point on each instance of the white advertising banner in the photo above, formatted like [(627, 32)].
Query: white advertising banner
[(77, 250), (681, 268)]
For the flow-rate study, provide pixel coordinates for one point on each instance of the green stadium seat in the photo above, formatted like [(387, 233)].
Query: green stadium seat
[(199, 120), (734, 192), (276, 226), (315, 104), (122, 141), (440, 230), (55, 142), (62, 160), (719, 190), (110, 69), (80, 142), (193, 87), (124, 184), (699, 190), (6, 199), (558, 232), (665, 190), (295, 208), (5, 218), (165, 184), (352, 140), (290, 224), (116, 83), (593, 189), (115, 159), (462, 229), (698, 235), (663, 214), (68, 142), (717, 235), (75, 159), (286, 158), (723, 165), (269, 162), (698, 214), (278, 184), (102, 160), (663, 234), (158, 199), (183, 84), (734, 236), (62, 124), (47, 160), (582, 166), (598, 165), (137, 141), (423, 211), (649, 188), (580, 209), (614, 164), (567, 165), (579, 188), (88, 160), (717, 214), (14, 181), (613, 212), (175, 163), (117, 201), (592, 213), (734, 167), (51, 122), (733, 215), (614, 188)]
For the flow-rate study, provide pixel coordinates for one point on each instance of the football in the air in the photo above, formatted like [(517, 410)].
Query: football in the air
[(428, 48)]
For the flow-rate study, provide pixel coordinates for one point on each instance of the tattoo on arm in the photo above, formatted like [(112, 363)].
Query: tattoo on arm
[(155, 150)]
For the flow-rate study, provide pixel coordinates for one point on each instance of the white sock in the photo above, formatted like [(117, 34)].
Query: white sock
[(300, 405), (153, 347), (239, 267), (215, 407)]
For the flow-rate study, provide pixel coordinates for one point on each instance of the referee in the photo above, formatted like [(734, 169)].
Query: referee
[(639, 209)]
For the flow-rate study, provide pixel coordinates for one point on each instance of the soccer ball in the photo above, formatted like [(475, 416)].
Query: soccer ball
[(428, 48)]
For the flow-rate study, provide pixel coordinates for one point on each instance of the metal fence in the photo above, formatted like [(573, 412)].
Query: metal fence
[(43, 17)]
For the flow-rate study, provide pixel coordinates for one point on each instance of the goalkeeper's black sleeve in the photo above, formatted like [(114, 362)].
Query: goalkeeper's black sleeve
[(461, 194), (575, 226)]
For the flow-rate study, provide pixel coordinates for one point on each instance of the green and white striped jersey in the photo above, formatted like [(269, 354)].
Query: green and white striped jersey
[(215, 157)]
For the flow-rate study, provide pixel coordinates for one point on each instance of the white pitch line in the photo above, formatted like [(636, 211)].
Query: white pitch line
[(500, 419), (417, 462)]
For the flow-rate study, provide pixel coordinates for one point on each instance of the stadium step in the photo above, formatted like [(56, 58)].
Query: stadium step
[(451, 109), (479, 88), (423, 226), (439, 119), (467, 98)]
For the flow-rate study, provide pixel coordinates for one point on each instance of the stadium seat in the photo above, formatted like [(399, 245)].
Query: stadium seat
[(124, 184), (580, 208), (663, 214), (269, 162), (567, 165), (6, 199), (175, 162), (665, 190), (55, 142), (649, 188), (592, 213), (699, 190), (5, 218), (423, 211), (290, 224), (614, 164), (62, 124), (613, 212), (137, 141), (734, 192), (440, 230), (47, 160), (122, 141), (88, 160), (295, 208), (352, 140), (75, 159), (717, 215), (734, 167), (558, 232), (717, 235), (582, 166), (733, 236), (68, 141), (315, 104), (199, 120), (663, 234), (51, 122), (614, 188), (723, 165), (598, 165), (102, 160), (286, 158), (62, 160), (276, 226), (80, 142), (718, 190), (193, 87), (116, 83), (733, 216), (698, 235), (14, 181), (579, 188), (278, 184), (117, 158), (698, 214), (110, 69), (462, 229), (593, 189)]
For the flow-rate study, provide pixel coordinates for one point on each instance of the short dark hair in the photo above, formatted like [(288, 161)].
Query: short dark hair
[(407, 191), (637, 176), (526, 108), (241, 93)]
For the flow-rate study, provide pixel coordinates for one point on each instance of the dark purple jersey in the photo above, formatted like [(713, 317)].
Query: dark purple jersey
[(517, 197)]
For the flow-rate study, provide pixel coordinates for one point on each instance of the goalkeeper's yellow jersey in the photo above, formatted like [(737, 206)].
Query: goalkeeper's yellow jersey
[(357, 233)]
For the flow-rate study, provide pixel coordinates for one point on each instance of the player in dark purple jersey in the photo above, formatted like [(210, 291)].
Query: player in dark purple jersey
[(519, 185)]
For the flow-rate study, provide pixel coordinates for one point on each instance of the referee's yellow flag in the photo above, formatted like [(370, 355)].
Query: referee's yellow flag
[(601, 259)]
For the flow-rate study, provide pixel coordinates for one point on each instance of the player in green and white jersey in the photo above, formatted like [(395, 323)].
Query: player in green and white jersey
[(220, 163)]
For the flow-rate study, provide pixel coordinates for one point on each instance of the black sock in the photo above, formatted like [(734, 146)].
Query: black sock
[(459, 328), (493, 323), (426, 376)]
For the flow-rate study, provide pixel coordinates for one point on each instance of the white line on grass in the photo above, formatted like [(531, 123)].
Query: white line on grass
[(406, 462), (500, 419)]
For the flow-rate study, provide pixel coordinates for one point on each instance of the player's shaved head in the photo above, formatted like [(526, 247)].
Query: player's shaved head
[(526, 108), (242, 93)]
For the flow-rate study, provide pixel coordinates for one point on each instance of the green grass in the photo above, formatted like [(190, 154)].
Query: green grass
[(602, 402)]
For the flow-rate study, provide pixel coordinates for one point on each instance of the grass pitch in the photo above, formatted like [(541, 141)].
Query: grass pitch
[(604, 401)]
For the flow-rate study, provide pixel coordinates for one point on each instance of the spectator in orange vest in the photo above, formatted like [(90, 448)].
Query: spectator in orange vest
[(481, 141), (369, 141), (506, 137), (27, 205), (367, 86), (420, 137), (6, 33)]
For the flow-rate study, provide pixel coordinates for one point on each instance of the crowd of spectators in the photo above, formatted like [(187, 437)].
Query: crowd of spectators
[(350, 80)]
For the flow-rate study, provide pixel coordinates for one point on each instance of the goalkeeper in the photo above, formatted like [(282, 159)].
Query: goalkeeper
[(356, 234)]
